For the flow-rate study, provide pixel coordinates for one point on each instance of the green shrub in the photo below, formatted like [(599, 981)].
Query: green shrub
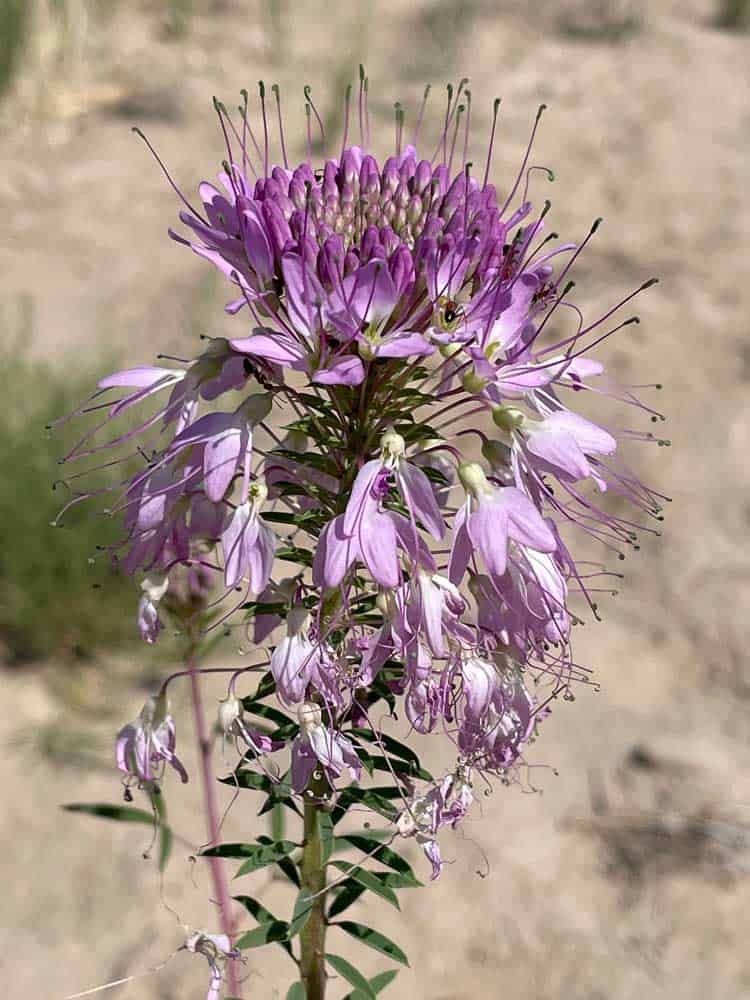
[(14, 24), (59, 596)]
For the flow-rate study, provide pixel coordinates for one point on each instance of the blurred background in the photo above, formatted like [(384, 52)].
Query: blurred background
[(625, 874)]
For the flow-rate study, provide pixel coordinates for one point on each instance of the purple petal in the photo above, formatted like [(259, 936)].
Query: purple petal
[(420, 498), (525, 524), (360, 500), (347, 370), (238, 537), (221, 457), (334, 555), (377, 542), (461, 547), (404, 345), (277, 348), (488, 530), (411, 541)]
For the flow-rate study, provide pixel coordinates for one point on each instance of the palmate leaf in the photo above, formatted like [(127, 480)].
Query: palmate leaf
[(130, 814), (351, 975), (373, 939)]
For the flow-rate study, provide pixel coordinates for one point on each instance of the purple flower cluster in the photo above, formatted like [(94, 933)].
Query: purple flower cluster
[(387, 308)]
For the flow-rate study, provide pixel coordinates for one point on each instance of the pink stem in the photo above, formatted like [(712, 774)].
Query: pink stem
[(218, 870)]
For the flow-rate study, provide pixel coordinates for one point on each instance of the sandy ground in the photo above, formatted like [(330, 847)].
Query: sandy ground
[(625, 876)]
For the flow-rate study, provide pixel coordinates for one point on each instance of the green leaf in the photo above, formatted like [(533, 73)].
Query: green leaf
[(373, 939), (165, 833), (267, 712), (326, 836), (276, 931), (400, 768), (384, 854), (129, 814), (303, 907), (378, 983), (374, 798), (352, 975), (293, 553), (287, 866), (349, 892), (296, 992), (123, 814), (266, 919), (374, 881), (388, 743), (282, 848)]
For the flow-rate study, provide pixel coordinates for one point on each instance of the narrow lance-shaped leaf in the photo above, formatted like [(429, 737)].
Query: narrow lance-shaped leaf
[(374, 881), (267, 920), (303, 907), (349, 893), (351, 975), (378, 984), (373, 939)]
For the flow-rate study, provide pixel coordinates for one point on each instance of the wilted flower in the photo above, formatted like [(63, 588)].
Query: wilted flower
[(145, 745), (216, 949), (445, 804)]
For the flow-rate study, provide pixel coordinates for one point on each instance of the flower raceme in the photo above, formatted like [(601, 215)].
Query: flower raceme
[(390, 313)]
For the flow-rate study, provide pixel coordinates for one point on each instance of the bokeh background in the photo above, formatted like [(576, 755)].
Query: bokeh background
[(624, 875)]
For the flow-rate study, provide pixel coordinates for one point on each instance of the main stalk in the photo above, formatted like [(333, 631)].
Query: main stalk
[(312, 938)]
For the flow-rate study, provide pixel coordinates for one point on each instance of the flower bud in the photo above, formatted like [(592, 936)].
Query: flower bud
[(507, 418), (473, 479), (230, 711), (393, 446), (155, 586), (474, 383), (257, 407), (298, 620), (448, 350), (496, 454), (258, 492), (309, 716)]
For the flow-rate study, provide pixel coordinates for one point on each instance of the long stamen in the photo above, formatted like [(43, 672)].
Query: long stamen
[(277, 94), (488, 163)]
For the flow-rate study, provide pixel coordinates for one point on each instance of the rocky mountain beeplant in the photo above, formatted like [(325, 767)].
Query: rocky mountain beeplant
[(379, 481)]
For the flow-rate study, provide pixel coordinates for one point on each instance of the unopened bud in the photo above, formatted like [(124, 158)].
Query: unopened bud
[(473, 479), (392, 445), (309, 716), (496, 454), (507, 418), (298, 620), (155, 586), (155, 710), (258, 492), (230, 710), (448, 350), (474, 383), (257, 407)]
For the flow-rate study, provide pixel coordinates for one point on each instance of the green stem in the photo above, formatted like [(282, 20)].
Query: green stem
[(312, 938)]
